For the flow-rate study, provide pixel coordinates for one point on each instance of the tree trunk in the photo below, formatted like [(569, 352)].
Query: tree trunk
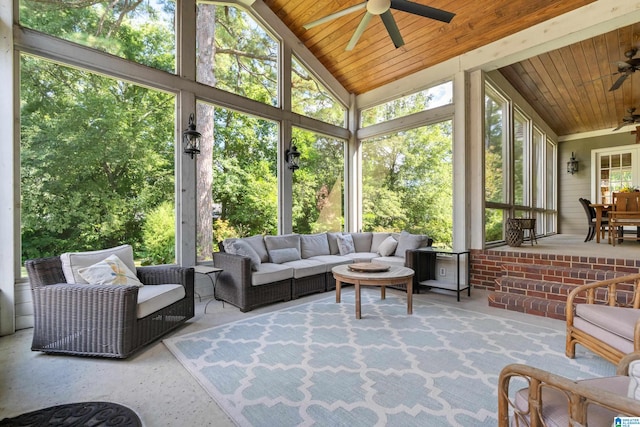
[(204, 71)]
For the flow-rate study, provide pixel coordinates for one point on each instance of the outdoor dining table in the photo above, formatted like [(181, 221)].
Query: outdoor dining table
[(600, 208)]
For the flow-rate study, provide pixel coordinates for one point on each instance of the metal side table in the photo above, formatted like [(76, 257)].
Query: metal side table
[(212, 273)]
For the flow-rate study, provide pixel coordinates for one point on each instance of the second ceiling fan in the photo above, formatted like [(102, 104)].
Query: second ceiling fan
[(383, 9)]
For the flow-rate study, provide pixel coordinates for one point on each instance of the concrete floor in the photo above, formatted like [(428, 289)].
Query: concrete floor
[(153, 382)]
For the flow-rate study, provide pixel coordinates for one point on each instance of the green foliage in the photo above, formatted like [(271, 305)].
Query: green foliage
[(159, 235), (407, 182), (96, 153)]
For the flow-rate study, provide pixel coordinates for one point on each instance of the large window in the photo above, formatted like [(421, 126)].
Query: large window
[(97, 163), (407, 182), (236, 54), (142, 32), (318, 186), (519, 169), (245, 180)]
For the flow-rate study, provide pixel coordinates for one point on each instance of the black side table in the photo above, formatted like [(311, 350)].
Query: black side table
[(212, 273), (459, 286)]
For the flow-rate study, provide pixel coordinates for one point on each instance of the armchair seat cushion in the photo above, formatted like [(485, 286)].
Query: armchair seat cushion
[(619, 321), (152, 298), (555, 411), (269, 272)]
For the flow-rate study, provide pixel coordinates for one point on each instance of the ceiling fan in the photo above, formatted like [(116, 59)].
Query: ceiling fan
[(383, 9), (626, 68), (629, 119)]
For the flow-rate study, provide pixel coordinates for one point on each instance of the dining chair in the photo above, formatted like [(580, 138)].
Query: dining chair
[(590, 211), (625, 212)]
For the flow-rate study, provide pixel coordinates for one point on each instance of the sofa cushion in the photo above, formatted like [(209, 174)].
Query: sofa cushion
[(313, 245), (409, 241), (306, 268), (345, 244), (152, 298), (257, 243), (73, 261), (268, 272), (377, 239), (387, 247), (333, 243), (279, 256), (243, 248), (110, 271), (617, 320), (362, 241), (331, 261), (361, 256), (389, 260), (283, 241)]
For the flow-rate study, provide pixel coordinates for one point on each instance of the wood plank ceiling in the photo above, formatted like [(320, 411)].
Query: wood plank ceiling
[(568, 87)]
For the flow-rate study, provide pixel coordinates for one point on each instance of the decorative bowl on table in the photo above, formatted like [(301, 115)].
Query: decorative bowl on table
[(368, 267)]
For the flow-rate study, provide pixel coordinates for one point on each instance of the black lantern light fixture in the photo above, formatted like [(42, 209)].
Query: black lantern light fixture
[(572, 164), (191, 138), (293, 157)]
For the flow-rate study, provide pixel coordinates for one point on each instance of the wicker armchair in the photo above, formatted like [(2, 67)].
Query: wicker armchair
[(604, 317), (99, 320), (552, 400)]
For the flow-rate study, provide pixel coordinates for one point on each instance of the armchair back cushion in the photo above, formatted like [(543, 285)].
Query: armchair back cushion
[(74, 261)]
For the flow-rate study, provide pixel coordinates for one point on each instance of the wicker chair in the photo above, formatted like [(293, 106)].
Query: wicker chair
[(101, 320), (604, 317), (553, 400)]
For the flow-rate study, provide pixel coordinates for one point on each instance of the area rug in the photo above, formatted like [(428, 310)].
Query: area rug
[(84, 414), (315, 364)]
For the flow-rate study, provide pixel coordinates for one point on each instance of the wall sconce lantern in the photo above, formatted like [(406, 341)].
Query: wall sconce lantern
[(293, 157), (572, 164), (191, 138)]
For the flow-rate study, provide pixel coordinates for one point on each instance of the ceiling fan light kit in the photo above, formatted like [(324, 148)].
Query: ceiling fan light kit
[(383, 8)]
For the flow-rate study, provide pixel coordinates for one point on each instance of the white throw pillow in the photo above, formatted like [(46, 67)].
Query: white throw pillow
[(387, 247), (72, 261), (634, 380), (110, 271), (345, 244)]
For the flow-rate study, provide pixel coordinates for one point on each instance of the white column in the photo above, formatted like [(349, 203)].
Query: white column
[(9, 166)]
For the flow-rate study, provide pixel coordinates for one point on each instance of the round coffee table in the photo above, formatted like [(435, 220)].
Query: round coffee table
[(393, 276)]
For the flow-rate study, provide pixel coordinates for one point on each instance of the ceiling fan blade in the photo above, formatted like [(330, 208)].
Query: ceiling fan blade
[(361, 27), (419, 9), (619, 82), (335, 15), (392, 28)]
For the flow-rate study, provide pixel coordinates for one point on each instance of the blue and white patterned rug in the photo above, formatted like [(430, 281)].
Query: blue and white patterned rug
[(315, 364)]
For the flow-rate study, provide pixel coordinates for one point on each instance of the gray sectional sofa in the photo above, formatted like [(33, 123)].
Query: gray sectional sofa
[(261, 270)]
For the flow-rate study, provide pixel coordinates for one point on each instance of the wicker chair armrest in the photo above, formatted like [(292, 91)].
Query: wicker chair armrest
[(623, 365), (69, 297), (167, 274), (579, 396), (236, 268), (633, 279)]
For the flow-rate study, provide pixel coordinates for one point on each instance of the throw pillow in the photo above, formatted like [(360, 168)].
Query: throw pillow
[(110, 271), (345, 244), (72, 261), (409, 241), (278, 256), (634, 380), (387, 247), (243, 248)]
